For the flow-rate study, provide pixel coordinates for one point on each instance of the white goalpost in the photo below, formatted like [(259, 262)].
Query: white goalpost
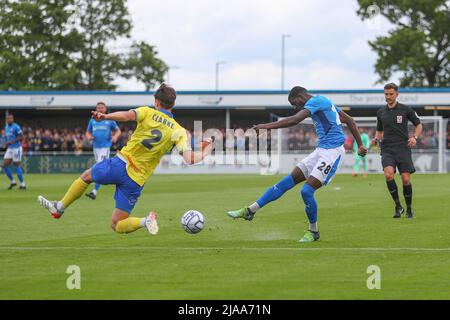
[(429, 156)]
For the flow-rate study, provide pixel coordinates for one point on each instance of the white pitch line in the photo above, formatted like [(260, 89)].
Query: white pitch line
[(220, 248)]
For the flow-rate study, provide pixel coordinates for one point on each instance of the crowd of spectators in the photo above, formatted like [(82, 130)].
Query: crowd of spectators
[(60, 140), (296, 139)]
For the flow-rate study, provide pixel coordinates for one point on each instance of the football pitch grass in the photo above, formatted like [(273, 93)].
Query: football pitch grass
[(229, 259)]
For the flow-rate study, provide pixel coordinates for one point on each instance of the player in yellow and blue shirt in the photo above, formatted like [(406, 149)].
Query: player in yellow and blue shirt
[(157, 132), (13, 152), (102, 134)]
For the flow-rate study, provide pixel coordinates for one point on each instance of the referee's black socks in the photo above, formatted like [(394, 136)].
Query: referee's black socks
[(392, 186), (407, 192)]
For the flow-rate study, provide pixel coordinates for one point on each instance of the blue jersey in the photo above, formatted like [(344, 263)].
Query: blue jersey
[(327, 122), (101, 131), (12, 131)]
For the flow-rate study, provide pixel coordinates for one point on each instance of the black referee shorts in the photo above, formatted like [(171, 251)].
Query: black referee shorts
[(399, 157)]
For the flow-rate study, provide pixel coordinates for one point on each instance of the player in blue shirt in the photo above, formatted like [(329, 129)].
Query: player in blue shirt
[(13, 152), (319, 167), (103, 134)]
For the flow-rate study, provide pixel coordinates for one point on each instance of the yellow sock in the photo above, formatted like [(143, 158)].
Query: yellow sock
[(128, 225), (75, 191)]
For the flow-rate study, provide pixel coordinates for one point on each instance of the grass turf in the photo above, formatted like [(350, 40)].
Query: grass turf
[(228, 259)]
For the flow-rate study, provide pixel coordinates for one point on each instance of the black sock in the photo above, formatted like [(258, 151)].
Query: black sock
[(407, 192), (392, 186)]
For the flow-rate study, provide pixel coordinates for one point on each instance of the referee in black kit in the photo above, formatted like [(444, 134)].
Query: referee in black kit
[(395, 143)]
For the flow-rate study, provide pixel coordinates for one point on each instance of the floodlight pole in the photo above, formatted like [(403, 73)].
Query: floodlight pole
[(168, 72), (218, 63)]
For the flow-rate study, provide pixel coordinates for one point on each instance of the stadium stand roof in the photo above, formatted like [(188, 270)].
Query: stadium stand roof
[(418, 98)]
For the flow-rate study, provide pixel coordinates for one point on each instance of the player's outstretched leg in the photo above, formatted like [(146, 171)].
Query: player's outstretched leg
[(93, 193), (123, 223), (271, 194), (78, 187), (307, 192)]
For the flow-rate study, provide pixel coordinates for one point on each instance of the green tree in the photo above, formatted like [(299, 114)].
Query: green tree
[(38, 42), (66, 44), (418, 46), (102, 23), (144, 66)]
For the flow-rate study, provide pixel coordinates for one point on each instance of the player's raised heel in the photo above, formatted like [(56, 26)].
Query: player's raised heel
[(50, 206), (310, 236), (243, 213), (151, 223)]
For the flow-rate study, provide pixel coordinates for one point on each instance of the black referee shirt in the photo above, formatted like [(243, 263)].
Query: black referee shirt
[(394, 123)]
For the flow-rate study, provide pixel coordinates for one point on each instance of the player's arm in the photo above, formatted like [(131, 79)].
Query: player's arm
[(351, 124), (379, 132), (378, 137), (122, 116), (193, 157), (18, 138), (417, 132), (286, 122), (414, 118), (116, 135), (88, 134)]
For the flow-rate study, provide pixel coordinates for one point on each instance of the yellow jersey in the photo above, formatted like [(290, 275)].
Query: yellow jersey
[(156, 134)]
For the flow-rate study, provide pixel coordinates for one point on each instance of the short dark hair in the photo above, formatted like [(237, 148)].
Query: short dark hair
[(166, 96), (295, 92), (391, 85), (101, 102)]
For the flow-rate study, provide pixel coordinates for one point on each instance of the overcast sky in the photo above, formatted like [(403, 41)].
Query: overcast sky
[(327, 50)]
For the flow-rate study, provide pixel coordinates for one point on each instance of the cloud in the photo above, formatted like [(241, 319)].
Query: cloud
[(328, 47)]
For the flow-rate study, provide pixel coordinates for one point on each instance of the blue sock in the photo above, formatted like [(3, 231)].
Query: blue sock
[(96, 186), (8, 173), (310, 202), (276, 191), (19, 172)]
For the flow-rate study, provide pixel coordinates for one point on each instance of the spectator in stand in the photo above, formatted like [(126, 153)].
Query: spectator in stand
[(292, 141), (296, 139), (2, 140), (68, 144), (36, 141), (230, 143), (57, 141), (240, 139), (47, 141)]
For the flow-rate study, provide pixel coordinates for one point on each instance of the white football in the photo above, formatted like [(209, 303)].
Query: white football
[(192, 221)]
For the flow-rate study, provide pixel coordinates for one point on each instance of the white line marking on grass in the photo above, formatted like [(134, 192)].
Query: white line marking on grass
[(219, 248)]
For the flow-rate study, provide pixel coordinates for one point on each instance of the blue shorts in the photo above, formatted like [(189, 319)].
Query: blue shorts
[(113, 171)]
